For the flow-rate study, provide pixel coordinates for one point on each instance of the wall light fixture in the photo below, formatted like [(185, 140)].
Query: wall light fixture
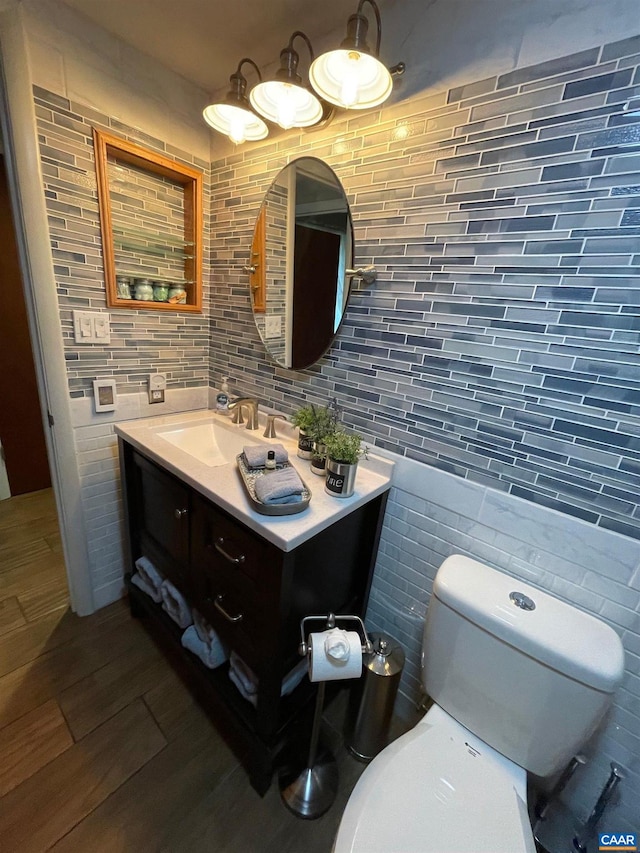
[(234, 116), (353, 77), (286, 100)]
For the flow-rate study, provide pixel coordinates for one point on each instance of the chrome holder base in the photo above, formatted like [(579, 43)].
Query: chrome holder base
[(311, 793)]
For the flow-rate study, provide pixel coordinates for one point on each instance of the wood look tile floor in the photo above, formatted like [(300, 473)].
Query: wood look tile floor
[(101, 746)]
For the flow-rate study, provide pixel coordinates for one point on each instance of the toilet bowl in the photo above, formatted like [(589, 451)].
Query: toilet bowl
[(438, 789), (519, 680)]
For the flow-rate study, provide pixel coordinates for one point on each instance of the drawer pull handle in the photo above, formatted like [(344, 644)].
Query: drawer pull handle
[(218, 605), (180, 513), (219, 543)]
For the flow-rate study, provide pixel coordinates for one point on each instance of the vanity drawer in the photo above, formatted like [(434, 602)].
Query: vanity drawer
[(217, 537), (234, 583)]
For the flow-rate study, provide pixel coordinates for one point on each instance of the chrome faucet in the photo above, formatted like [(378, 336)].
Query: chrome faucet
[(251, 404)]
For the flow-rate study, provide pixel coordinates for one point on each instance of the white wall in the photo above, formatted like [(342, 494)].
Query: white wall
[(448, 42), (73, 57)]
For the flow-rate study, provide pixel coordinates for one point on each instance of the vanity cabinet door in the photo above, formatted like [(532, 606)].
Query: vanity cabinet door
[(237, 581), (162, 506)]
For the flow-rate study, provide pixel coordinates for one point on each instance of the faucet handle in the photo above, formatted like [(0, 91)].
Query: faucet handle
[(270, 429), (236, 417)]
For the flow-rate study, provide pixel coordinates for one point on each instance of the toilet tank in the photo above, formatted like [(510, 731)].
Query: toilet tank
[(532, 683)]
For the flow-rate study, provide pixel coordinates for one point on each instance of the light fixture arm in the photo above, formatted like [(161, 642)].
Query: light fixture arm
[(374, 6), (289, 59), (300, 34), (239, 81)]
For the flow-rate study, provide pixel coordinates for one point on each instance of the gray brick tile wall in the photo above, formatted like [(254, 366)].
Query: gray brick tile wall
[(501, 217), (142, 341)]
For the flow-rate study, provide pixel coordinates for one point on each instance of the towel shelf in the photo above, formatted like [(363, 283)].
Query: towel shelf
[(251, 592)]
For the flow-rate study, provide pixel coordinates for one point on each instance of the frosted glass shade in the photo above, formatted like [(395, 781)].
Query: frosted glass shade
[(350, 79), (238, 124), (286, 104)]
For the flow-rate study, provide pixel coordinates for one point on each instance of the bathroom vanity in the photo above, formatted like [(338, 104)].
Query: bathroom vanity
[(252, 577)]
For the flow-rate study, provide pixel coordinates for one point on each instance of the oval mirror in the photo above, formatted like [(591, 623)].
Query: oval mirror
[(302, 247)]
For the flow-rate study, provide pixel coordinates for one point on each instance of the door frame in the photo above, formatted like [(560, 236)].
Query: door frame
[(19, 134)]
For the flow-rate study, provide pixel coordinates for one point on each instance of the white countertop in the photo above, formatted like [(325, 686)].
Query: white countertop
[(223, 485)]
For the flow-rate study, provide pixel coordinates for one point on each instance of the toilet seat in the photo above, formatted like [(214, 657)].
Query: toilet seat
[(438, 789)]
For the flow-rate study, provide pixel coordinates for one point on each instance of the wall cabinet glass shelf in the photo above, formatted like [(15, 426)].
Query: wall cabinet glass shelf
[(151, 224)]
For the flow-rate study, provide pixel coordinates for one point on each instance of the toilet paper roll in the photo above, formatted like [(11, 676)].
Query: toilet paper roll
[(323, 667)]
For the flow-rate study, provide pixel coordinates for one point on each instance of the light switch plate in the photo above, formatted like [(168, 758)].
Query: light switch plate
[(90, 327)]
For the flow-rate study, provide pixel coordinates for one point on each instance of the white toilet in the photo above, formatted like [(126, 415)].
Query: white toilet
[(520, 681)]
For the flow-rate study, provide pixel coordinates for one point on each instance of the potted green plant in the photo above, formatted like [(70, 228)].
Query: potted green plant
[(304, 418), (314, 423), (344, 449), (325, 425)]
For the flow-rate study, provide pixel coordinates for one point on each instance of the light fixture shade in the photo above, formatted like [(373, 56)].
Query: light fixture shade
[(233, 116), (351, 79), (287, 104), (239, 124)]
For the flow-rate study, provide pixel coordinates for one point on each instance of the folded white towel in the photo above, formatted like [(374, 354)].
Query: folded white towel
[(174, 603), (256, 454), (149, 573), (212, 653), (142, 583), (336, 645)]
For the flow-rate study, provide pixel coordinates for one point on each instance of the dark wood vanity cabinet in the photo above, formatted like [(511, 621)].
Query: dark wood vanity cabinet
[(251, 592)]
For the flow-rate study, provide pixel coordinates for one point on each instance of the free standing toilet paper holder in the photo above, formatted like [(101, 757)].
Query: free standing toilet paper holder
[(309, 793)]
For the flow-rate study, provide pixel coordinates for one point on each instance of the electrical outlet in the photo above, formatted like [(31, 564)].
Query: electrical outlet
[(157, 387)]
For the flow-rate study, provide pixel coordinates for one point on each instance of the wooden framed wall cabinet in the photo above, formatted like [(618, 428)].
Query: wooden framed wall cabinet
[(151, 224)]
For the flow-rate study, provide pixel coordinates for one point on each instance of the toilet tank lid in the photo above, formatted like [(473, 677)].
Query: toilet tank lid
[(557, 634)]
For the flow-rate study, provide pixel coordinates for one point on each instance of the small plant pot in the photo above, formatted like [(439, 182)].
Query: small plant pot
[(305, 445), (341, 478), (319, 459)]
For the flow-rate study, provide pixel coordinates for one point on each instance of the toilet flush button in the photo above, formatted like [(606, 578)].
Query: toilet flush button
[(522, 601)]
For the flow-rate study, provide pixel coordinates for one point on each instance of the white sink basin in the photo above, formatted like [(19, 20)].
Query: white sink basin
[(209, 442)]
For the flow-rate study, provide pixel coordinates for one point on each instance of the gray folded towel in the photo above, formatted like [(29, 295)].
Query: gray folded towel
[(279, 487), (256, 454), (175, 604), (212, 654)]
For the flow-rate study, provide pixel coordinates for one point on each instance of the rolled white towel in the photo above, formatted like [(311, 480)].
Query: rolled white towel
[(212, 654), (149, 573), (142, 583), (174, 603), (336, 645)]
